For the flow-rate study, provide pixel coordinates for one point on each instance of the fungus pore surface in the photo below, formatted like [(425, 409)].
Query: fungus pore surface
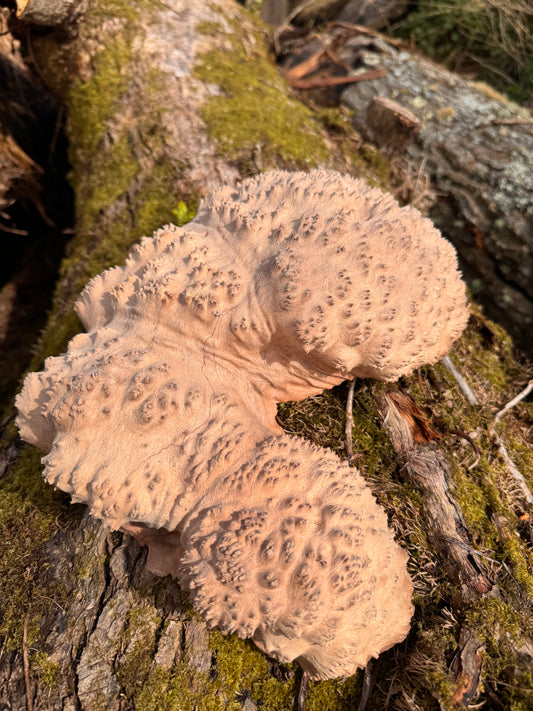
[(162, 416)]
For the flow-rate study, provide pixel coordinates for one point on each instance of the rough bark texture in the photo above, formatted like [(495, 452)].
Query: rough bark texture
[(478, 149), (151, 91)]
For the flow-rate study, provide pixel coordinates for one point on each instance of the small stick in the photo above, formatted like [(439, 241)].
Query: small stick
[(521, 395), (26, 663), (333, 81), (309, 65), (511, 466), (349, 423), (368, 682), (461, 382), (513, 470), (302, 693)]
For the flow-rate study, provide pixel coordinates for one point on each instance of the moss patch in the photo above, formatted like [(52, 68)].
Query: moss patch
[(30, 510), (49, 671), (254, 110), (93, 102), (139, 643)]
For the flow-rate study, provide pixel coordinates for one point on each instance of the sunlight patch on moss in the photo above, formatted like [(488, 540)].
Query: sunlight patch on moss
[(254, 108)]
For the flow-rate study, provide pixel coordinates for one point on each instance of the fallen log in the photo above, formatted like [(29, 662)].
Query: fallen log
[(478, 149)]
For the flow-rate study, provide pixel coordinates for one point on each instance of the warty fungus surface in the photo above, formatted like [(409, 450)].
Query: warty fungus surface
[(162, 416)]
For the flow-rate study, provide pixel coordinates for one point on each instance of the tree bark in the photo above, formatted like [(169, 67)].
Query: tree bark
[(83, 624)]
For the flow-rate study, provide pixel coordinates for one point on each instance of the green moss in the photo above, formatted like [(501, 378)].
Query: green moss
[(49, 671), (166, 691), (29, 511), (518, 556), (472, 499), (271, 693), (238, 662), (254, 109), (109, 179), (92, 103), (139, 642), (491, 617), (334, 694)]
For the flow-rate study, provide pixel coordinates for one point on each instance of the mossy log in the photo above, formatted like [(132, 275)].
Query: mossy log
[(165, 103), (477, 148)]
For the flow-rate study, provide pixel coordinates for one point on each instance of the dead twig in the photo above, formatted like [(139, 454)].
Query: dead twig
[(302, 692), (464, 387), (309, 65), (511, 466), (349, 423), (368, 683), (426, 468), (518, 398), (334, 81)]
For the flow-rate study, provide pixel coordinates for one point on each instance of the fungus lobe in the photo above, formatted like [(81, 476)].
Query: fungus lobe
[(162, 416)]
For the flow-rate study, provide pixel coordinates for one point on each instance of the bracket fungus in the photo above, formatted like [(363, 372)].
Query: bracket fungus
[(162, 416)]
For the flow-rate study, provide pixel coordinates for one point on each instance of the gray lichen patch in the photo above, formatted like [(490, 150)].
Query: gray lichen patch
[(450, 107)]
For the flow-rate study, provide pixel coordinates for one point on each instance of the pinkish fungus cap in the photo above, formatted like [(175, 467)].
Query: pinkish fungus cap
[(162, 416)]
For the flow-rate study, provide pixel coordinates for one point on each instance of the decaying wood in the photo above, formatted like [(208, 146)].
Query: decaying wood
[(390, 125), (45, 12), (426, 467), (478, 149), (467, 666)]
